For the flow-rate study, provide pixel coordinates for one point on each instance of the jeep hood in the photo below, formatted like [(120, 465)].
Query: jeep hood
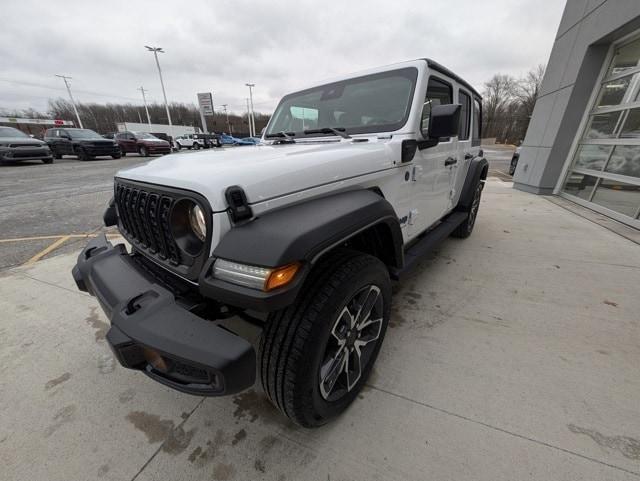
[(264, 171)]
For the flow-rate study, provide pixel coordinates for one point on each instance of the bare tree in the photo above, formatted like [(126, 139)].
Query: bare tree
[(498, 93), (528, 89)]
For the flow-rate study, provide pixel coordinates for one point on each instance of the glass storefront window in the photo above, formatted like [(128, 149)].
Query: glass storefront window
[(631, 127), (618, 196), (592, 157), (580, 185), (606, 150), (602, 126), (612, 93), (627, 57), (625, 160)]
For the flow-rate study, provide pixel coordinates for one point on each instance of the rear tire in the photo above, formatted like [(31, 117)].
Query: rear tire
[(116, 156), (196, 146), (123, 153), (465, 229), (312, 352)]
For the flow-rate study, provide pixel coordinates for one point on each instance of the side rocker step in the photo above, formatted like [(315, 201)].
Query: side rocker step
[(429, 242)]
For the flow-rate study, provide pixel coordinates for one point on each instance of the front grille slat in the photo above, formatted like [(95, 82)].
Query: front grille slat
[(145, 220)]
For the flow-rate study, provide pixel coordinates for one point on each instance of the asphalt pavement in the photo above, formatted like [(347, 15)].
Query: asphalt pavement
[(42, 204)]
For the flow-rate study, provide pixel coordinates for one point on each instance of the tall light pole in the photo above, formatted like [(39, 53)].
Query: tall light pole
[(253, 121), (224, 106), (249, 119), (155, 51), (73, 102), (144, 100)]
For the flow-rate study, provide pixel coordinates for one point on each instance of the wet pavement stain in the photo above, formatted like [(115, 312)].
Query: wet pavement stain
[(396, 319), (101, 327), (223, 472), (239, 436), (175, 439), (200, 457), (610, 303), (154, 428), (65, 415), (102, 470), (628, 447), (57, 381), (259, 465), (252, 405)]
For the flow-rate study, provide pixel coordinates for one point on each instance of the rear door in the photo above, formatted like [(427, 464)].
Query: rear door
[(431, 174), (465, 149)]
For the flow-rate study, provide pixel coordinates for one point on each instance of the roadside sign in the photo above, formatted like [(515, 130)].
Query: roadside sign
[(15, 120), (205, 101)]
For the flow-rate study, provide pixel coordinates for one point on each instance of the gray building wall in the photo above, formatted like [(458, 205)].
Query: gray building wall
[(587, 29)]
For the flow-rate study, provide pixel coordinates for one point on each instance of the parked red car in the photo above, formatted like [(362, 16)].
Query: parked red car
[(142, 143)]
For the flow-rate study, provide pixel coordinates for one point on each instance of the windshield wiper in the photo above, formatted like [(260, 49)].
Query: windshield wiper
[(285, 136), (329, 130)]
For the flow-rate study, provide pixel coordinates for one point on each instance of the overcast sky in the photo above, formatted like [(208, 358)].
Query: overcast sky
[(278, 45)]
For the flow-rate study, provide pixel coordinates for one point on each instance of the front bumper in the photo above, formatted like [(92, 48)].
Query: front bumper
[(23, 153), (198, 356), (96, 151)]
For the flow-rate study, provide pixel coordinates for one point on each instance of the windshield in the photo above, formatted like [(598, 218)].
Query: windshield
[(144, 135), (84, 134), (11, 132), (373, 103)]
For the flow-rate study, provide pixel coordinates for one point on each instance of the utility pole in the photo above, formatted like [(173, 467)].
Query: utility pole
[(253, 120), (73, 102), (249, 119), (144, 100), (155, 51), (227, 114)]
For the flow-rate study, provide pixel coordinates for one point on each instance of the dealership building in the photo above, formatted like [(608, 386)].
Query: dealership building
[(583, 142)]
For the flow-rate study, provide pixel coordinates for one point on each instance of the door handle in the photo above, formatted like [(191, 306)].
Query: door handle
[(450, 161), (468, 156)]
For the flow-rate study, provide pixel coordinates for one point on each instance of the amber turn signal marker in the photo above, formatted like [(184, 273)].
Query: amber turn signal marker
[(281, 276), (155, 359)]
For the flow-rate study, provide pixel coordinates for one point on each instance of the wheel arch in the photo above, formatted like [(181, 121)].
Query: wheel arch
[(478, 171)]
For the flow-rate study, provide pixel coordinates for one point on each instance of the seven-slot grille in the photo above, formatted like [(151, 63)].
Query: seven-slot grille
[(144, 217)]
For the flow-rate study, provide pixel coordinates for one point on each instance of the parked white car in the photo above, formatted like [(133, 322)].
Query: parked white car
[(355, 180), (189, 141)]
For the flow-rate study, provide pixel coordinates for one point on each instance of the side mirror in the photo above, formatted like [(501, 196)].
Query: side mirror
[(444, 121)]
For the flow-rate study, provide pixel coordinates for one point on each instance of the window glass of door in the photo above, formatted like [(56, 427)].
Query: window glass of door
[(439, 92), (465, 115)]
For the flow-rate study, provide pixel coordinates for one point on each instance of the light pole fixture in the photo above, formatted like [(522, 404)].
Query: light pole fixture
[(73, 102), (252, 122), (155, 51)]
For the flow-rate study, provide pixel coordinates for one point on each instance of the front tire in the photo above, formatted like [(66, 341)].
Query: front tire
[(465, 229), (316, 355), (56, 155), (196, 146), (82, 154), (47, 161), (143, 152)]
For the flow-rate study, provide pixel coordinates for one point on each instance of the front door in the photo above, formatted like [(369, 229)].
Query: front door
[(432, 171)]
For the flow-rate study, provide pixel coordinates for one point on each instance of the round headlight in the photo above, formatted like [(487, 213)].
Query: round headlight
[(198, 224)]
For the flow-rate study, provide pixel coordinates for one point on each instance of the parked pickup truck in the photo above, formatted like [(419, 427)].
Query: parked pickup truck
[(355, 180)]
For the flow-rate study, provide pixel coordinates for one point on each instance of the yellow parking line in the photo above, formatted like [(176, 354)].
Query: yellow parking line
[(45, 237), (46, 251)]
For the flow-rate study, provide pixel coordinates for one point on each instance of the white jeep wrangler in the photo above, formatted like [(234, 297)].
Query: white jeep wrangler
[(189, 141), (356, 180)]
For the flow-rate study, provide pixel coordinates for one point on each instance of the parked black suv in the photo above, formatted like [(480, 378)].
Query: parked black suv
[(84, 143), (17, 146)]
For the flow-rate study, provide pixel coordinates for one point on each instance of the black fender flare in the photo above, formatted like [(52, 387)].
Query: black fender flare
[(305, 231), (478, 169), (302, 232)]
